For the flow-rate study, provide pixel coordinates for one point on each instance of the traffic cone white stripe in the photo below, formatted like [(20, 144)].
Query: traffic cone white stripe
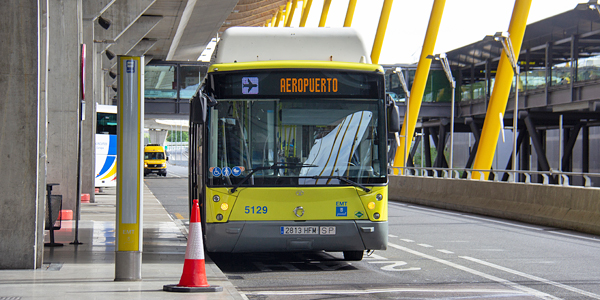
[(195, 247)]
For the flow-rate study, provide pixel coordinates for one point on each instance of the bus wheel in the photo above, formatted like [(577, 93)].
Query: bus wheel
[(353, 255)]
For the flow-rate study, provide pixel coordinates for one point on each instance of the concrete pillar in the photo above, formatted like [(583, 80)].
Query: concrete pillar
[(99, 74), (91, 10), (23, 75), (158, 136), (88, 132), (63, 98)]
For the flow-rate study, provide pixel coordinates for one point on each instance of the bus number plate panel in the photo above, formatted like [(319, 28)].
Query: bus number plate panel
[(320, 230)]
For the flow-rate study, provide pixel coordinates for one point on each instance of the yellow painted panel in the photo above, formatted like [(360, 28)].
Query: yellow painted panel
[(295, 64), (381, 206), (318, 203)]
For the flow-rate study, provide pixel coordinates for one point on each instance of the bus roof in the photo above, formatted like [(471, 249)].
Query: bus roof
[(295, 64), (245, 44)]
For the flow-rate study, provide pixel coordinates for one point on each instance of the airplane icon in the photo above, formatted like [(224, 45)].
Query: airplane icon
[(251, 83)]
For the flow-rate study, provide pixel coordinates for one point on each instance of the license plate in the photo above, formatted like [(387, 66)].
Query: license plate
[(321, 230)]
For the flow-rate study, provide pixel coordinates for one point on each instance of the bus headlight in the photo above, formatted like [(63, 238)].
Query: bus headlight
[(219, 217), (376, 216), (145, 165), (224, 206), (379, 197), (371, 205), (216, 198)]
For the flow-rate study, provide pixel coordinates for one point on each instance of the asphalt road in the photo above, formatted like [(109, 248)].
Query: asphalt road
[(432, 254)]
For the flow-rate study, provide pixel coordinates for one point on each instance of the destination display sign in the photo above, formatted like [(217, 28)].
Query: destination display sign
[(297, 83)]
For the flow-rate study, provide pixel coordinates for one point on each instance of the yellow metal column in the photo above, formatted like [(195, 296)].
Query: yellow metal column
[(350, 13), (418, 87), (504, 77), (290, 15), (287, 11), (273, 19), (383, 21), (305, 12), (279, 14), (324, 13)]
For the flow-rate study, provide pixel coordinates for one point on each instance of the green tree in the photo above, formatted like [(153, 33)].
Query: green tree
[(177, 136)]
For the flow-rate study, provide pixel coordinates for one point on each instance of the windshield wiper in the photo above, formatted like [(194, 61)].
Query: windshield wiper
[(275, 166), (346, 180)]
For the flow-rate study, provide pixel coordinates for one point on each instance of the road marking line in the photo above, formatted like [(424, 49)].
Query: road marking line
[(391, 235), (391, 266), (475, 272), (390, 290), (407, 240), (445, 251), (425, 245), (179, 216), (532, 277)]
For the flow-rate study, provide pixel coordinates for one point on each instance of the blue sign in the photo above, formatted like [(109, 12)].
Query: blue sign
[(226, 171), (236, 171), (130, 66), (216, 171), (341, 211)]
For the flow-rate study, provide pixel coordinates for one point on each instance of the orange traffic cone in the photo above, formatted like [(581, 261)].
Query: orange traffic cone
[(193, 278)]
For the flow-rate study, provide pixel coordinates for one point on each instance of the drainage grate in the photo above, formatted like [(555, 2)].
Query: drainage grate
[(10, 298)]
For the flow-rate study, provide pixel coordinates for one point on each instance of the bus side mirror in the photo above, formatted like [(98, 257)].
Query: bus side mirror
[(393, 117), (200, 103)]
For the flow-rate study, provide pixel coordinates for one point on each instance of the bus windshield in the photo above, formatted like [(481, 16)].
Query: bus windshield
[(106, 123), (154, 155), (296, 141)]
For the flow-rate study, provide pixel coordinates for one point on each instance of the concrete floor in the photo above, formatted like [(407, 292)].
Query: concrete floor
[(87, 271)]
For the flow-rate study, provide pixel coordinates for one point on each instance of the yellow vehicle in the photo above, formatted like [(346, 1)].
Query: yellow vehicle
[(155, 160), (289, 153)]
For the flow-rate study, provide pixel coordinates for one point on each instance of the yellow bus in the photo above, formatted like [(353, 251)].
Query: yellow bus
[(289, 155)]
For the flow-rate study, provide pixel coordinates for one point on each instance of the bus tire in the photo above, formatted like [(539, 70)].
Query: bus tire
[(353, 255)]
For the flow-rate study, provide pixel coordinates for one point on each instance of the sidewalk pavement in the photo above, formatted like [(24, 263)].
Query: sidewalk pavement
[(87, 271)]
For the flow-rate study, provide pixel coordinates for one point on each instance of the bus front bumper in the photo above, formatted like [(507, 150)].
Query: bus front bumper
[(269, 236)]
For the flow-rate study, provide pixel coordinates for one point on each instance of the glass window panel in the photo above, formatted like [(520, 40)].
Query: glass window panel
[(191, 76), (159, 82)]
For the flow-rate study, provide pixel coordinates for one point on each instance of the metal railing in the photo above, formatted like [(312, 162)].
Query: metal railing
[(520, 176)]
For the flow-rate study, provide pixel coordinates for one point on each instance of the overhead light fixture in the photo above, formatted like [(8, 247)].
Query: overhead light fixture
[(513, 58), (104, 23), (110, 55)]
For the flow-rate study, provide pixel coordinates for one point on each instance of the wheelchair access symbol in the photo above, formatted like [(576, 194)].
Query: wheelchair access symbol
[(216, 171)]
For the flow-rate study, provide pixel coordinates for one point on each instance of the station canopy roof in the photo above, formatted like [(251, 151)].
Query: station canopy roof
[(557, 30)]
